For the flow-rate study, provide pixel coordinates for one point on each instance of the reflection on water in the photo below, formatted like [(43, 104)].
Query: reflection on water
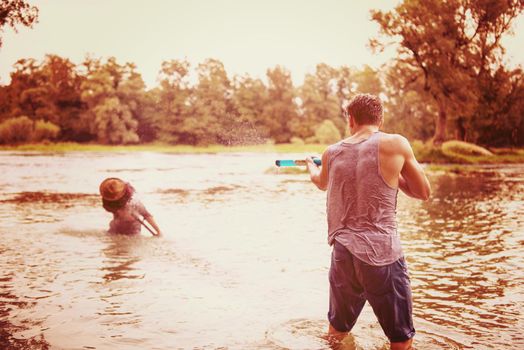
[(466, 255), (121, 254), (244, 260)]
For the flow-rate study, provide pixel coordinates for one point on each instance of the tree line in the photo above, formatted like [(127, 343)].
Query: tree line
[(104, 101), (448, 80)]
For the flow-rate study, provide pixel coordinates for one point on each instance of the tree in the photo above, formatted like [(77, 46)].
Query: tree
[(112, 93), (48, 91), (367, 81), (282, 110), (450, 45), (15, 12), (499, 117), (319, 101), (173, 99), (250, 97), (327, 132), (212, 110), (407, 110)]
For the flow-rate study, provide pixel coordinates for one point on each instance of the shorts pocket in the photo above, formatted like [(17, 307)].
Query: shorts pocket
[(402, 274)]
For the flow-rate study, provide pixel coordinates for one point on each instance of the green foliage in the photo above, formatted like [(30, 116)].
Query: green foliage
[(456, 152), (45, 131), (112, 93), (250, 98), (16, 130), (451, 47), (297, 141), (464, 148), (327, 133), (106, 102), (171, 104), (408, 110), (48, 91), (281, 112), (15, 12), (318, 102), (22, 129), (499, 117)]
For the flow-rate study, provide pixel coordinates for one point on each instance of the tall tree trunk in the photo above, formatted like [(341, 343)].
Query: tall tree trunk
[(440, 127), (460, 131)]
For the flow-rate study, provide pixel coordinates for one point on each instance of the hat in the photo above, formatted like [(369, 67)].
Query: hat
[(112, 189)]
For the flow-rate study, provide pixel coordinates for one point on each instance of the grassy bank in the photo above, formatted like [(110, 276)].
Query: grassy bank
[(452, 152), (456, 152), (164, 148)]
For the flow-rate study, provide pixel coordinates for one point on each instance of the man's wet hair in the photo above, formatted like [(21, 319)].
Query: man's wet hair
[(365, 109)]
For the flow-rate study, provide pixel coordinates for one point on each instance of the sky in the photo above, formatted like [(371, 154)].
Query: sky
[(248, 36)]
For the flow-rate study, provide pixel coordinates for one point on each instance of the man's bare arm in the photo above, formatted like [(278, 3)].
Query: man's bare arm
[(412, 180), (403, 186), (318, 175), (152, 222)]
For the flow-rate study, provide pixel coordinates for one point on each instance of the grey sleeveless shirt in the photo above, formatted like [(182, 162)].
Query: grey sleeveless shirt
[(361, 206)]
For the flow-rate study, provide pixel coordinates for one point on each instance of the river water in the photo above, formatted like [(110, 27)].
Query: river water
[(243, 261)]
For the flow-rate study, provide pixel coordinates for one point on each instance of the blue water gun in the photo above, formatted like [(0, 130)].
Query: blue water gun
[(298, 162)]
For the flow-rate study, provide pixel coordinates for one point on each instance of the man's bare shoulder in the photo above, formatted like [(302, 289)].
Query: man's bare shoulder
[(394, 143)]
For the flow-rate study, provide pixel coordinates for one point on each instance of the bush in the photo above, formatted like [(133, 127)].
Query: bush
[(22, 130), (297, 141), (45, 131), (327, 132), (464, 149), (312, 139), (429, 153), (16, 130)]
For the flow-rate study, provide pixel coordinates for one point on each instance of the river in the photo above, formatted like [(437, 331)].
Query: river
[(243, 261)]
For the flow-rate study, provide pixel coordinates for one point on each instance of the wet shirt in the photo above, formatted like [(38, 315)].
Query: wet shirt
[(124, 219), (361, 206)]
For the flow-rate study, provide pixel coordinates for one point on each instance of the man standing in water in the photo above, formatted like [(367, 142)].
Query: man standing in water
[(362, 175)]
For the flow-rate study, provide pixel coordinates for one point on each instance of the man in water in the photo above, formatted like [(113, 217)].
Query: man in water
[(119, 198), (362, 175)]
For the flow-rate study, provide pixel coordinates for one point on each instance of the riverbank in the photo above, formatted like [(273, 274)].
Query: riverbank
[(458, 152), (165, 148), (451, 152)]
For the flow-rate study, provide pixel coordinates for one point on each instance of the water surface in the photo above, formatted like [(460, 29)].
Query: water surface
[(243, 263)]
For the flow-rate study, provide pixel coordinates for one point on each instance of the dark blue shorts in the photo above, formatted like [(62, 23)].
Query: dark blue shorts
[(386, 288)]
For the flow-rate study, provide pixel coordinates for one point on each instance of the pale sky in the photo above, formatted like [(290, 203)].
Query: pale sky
[(248, 36)]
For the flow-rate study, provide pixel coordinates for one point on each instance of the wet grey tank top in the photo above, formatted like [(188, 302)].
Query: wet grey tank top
[(361, 206)]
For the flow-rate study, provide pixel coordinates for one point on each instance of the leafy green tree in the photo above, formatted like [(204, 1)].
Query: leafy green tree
[(44, 131), (327, 132), (212, 109), (250, 97), (319, 101), (16, 12), (112, 93), (16, 130), (49, 91), (499, 117), (173, 102), (450, 45), (26, 93), (281, 112), (367, 81), (407, 109)]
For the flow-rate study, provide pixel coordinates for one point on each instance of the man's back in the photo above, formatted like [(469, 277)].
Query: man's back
[(361, 205)]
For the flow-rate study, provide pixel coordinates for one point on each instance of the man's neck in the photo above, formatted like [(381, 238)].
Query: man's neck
[(363, 131)]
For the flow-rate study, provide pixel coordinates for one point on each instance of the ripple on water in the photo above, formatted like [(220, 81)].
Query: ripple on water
[(366, 335)]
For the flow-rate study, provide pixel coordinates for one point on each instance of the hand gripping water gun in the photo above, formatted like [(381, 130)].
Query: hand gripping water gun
[(298, 162)]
